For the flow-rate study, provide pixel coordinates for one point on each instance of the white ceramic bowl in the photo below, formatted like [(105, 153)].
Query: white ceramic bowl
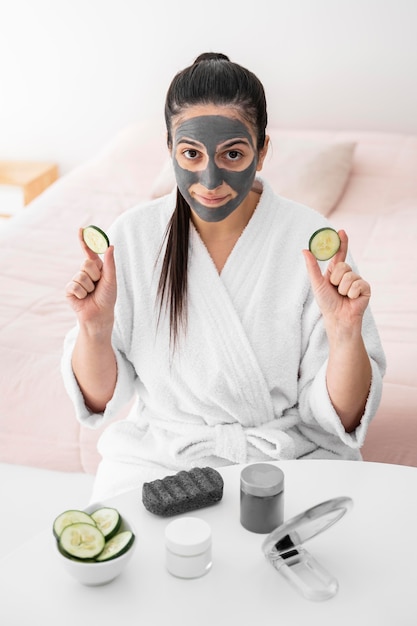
[(94, 574)]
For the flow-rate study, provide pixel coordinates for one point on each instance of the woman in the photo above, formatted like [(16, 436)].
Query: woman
[(207, 309)]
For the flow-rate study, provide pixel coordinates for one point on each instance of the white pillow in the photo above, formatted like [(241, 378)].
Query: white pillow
[(312, 172), (165, 182)]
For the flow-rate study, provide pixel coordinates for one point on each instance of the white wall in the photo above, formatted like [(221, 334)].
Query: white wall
[(73, 72)]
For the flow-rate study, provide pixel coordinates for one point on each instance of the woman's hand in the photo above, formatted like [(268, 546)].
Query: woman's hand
[(341, 294), (92, 294), (92, 290)]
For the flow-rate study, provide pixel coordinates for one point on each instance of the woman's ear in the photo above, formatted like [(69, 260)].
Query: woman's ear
[(169, 144), (262, 154)]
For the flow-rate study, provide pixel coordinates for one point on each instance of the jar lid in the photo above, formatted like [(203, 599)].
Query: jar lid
[(188, 536), (262, 479)]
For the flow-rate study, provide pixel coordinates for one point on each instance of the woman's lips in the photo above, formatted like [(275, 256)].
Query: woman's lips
[(211, 200)]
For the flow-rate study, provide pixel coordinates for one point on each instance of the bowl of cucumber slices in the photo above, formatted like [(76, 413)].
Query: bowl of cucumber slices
[(93, 544)]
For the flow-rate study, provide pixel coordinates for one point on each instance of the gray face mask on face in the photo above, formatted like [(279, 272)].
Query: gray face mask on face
[(212, 130)]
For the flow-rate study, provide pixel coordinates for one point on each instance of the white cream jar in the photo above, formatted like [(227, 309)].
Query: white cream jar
[(188, 547)]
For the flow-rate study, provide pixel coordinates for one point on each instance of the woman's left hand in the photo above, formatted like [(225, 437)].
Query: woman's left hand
[(341, 294)]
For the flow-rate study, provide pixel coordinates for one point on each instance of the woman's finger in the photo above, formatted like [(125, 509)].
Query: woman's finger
[(313, 269), (341, 254), (358, 288), (87, 251), (339, 272), (93, 268), (75, 289)]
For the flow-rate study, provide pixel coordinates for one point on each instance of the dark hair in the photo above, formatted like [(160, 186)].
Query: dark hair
[(211, 79)]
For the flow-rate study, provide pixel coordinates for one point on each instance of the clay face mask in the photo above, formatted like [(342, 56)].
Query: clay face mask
[(213, 131)]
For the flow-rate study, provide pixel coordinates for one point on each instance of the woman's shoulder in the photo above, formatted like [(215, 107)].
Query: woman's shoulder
[(145, 219), (286, 225), (288, 211)]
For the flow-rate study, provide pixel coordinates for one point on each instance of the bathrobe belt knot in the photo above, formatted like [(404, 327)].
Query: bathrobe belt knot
[(227, 441)]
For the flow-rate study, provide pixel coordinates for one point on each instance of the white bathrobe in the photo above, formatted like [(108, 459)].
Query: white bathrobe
[(247, 381)]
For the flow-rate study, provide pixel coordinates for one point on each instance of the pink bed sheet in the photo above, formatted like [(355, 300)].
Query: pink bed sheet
[(39, 252)]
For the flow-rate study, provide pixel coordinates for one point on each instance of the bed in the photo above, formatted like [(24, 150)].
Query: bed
[(366, 182)]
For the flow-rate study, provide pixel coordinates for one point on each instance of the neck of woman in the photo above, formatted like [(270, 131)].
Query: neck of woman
[(221, 237)]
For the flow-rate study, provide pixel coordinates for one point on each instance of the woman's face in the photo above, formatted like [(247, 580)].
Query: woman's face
[(215, 159)]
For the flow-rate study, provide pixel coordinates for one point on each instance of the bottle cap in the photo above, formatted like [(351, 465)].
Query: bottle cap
[(187, 536), (262, 479)]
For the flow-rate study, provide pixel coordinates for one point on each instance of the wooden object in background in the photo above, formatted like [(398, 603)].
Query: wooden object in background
[(22, 181)]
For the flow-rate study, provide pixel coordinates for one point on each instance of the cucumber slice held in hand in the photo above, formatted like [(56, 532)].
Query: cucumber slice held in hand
[(324, 243), (96, 239)]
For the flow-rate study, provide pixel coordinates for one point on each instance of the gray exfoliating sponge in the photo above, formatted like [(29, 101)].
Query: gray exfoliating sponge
[(183, 492)]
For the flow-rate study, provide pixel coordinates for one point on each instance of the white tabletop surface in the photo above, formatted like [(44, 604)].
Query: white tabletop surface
[(372, 551)]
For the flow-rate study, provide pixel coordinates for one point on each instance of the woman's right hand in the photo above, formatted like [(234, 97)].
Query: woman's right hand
[(92, 290)]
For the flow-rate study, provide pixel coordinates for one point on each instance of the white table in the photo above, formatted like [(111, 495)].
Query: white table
[(40, 491), (372, 551)]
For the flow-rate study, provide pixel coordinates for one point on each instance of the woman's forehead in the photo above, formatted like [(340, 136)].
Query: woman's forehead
[(212, 130), (197, 110)]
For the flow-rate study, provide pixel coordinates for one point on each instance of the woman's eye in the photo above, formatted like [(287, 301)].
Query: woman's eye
[(190, 154), (233, 155)]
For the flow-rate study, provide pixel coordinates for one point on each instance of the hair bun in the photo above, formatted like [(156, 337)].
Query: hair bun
[(211, 56)]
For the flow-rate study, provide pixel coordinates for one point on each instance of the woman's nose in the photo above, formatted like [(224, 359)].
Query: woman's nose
[(211, 177)]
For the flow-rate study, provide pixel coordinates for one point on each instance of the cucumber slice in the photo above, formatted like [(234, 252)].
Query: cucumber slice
[(108, 520), (324, 243), (96, 239), (116, 546), (82, 541), (70, 517)]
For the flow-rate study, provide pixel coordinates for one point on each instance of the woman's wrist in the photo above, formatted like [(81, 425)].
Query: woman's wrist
[(343, 331), (97, 330)]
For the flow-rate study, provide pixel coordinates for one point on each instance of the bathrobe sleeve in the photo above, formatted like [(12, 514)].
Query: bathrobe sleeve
[(133, 260), (317, 413)]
